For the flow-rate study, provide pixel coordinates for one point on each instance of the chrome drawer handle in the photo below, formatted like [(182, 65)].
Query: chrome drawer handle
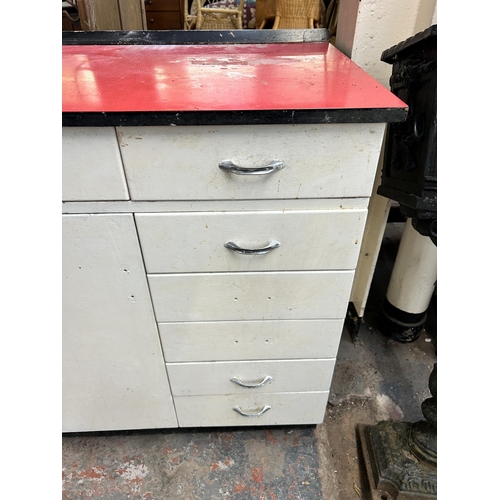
[(255, 251), (261, 412), (265, 380), (229, 166)]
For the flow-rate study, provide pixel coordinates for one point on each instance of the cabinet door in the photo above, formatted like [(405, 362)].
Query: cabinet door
[(114, 376)]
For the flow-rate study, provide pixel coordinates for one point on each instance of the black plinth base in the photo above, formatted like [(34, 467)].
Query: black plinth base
[(392, 469), (353, 322), (400, 325)]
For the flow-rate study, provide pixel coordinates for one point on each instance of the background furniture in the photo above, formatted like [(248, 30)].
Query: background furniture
[(208, 265), (296, 14), (220, 14), (164, 14), (111, 14), (292, 14)]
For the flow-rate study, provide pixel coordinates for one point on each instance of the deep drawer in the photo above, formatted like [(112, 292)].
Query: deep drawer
[(250, 296), (182, 163), (195, 242), (296, 408), (246, 340), (205, 379)]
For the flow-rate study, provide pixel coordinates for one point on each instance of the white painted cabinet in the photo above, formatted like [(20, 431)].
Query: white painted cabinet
[(215, 196), (183, 310)]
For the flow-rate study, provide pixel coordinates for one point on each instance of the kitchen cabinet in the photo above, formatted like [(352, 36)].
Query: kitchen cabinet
[(214, 199)]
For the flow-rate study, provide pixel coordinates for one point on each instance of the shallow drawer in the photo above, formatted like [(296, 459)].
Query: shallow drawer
[(197, 242), (296, 408), (182, 163), (248, 296), (92, 169), (246, 340), (163, 20), (233, 377), (162, 5)]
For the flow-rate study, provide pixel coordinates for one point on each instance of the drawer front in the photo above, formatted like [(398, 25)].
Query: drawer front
[(195, 242), (250, 296), (182, 163), (92, 169), (247, 340), (163, 20), (297, 408), (205, 379), (162, 5)]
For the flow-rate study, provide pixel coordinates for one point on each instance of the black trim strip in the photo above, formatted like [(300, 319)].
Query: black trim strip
[(251, 117), (193, 37), (403, 317)]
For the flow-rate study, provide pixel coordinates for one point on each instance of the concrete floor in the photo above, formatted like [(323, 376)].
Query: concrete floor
[(375, 379)]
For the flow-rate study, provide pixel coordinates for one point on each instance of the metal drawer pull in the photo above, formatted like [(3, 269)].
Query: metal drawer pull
[(248, 251), (229, 166), (241, 412), (265, 380)]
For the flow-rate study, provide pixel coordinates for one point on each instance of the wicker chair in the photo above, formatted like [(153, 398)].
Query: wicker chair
[(209, 17), (189, 19), (297, 14)]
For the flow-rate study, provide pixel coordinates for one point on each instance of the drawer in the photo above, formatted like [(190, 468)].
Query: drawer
[(246, 340), (250, 296), (92, 169), (163, 20), (296, 408), (162, 5), (195, 242), (182, 163), (233, 377)]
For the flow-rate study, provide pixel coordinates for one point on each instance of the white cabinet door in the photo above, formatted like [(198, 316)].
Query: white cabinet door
[(92, 168), (114, 376), (303, 240)]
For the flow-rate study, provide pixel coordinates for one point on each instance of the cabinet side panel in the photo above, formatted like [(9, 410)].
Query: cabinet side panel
[(113, 371)]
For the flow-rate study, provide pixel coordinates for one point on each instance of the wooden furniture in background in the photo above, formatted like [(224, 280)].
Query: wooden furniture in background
[(70, 17), (96, 15), (164, 14)]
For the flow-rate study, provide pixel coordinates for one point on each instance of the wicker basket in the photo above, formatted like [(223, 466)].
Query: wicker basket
[(214, 18), (297, 14)]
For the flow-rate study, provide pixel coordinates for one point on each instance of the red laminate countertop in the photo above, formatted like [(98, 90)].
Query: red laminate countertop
[(284, 76)]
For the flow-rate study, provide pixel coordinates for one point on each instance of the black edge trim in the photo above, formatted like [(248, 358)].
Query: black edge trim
[(193, 37), (251, 117)]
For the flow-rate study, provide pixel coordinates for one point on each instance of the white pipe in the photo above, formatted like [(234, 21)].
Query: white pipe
[(414, 275)]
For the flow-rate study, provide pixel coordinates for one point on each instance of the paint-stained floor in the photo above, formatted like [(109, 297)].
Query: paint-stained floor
[(274, 463), (375, 379)]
